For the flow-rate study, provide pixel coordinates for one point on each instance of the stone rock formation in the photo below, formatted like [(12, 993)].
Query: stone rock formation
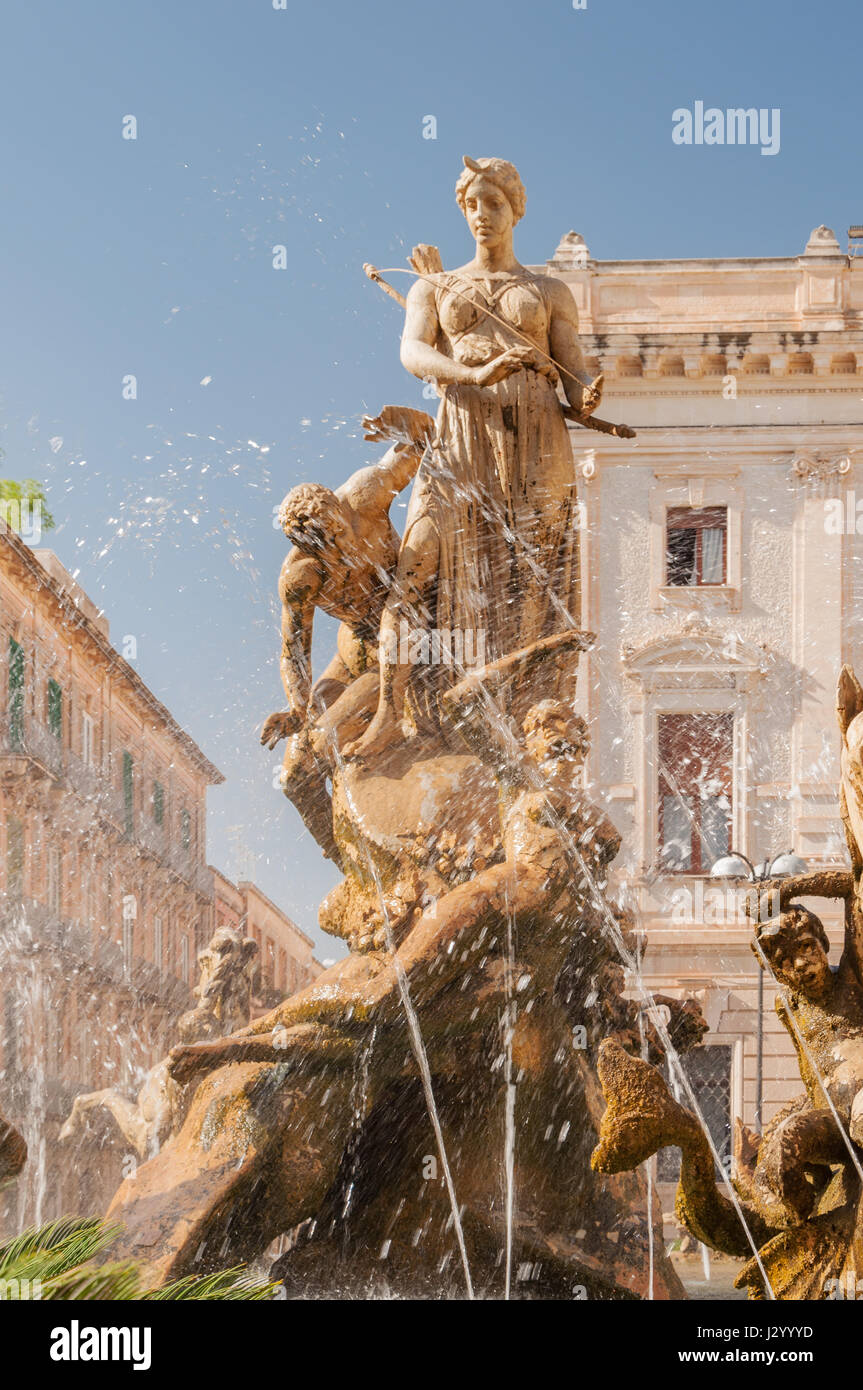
[(13, 1150)]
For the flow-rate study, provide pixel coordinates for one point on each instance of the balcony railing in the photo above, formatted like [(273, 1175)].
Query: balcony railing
[(28, 740), (31, 929)]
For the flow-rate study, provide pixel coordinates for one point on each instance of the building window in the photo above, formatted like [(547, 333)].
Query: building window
[(90, 898), (708, 1070), (185, 829), (130, 913), (14, 859), (158, 803), (695, 768), (696, 546), (16, 695), (55, 709), (87, 731), (128, 942), (10, 1033), (128, 792), (54, 892), (157, 941)]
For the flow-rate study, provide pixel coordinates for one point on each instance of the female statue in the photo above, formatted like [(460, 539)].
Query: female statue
[(491, 543)]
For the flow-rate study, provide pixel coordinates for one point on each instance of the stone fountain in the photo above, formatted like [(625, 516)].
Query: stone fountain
[(420, 1120)]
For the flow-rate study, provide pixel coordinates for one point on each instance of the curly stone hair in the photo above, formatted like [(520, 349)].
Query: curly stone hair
[(308, 502), (778, 937), (501, 173)]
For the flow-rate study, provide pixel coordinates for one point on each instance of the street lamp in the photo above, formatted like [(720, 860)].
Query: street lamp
[(736, 866)]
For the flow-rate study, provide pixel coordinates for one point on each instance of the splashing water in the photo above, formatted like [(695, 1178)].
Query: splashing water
[(414, 1032), (509, 1114), (21, 966)]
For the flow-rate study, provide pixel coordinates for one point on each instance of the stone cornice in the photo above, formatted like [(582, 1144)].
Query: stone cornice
[(13, 552)]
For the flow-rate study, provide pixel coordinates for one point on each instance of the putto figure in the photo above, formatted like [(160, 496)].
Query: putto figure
[(224, 988), (224, 992)]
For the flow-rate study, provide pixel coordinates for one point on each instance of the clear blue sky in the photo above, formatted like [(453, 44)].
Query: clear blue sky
[(303, 127)]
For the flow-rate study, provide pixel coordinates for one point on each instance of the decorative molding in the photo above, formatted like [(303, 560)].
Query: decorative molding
[(685, 466), (812, 467), (694, 645), (822, 242)]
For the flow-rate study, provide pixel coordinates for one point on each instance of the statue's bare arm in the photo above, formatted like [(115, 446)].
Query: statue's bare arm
[(299, 585), (372, 489), (581, 392), (362, 987)]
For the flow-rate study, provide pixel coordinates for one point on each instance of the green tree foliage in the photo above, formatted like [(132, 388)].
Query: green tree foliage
[(26, 495)]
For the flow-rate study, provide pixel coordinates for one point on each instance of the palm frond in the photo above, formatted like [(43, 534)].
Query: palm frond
[(114, 1283), (64, 1243), (58, 1259), (227, 1284)]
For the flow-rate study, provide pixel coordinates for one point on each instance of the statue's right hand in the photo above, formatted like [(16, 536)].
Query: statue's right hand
[(521, 357), (513, 360), (281, 725)]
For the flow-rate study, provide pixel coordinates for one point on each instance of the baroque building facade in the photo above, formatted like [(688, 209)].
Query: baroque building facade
[(106, 896), (722, 567)]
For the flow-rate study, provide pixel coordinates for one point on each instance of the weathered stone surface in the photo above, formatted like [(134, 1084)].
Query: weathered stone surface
[(13, 1150)]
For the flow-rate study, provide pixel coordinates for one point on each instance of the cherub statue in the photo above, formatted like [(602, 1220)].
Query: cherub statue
[(345, 550), (145, 1122)]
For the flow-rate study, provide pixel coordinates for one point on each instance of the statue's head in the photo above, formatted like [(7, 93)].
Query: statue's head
[(229, 941), (491, 195), (553, 734), (312, 518), (797, 950)]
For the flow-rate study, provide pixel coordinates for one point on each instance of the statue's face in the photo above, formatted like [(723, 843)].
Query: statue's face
[(801, 964), (555, 739), (488, 211)]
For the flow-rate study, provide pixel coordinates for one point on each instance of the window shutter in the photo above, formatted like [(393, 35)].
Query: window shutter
[(16, 695), (55, 709), (128, 792)]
